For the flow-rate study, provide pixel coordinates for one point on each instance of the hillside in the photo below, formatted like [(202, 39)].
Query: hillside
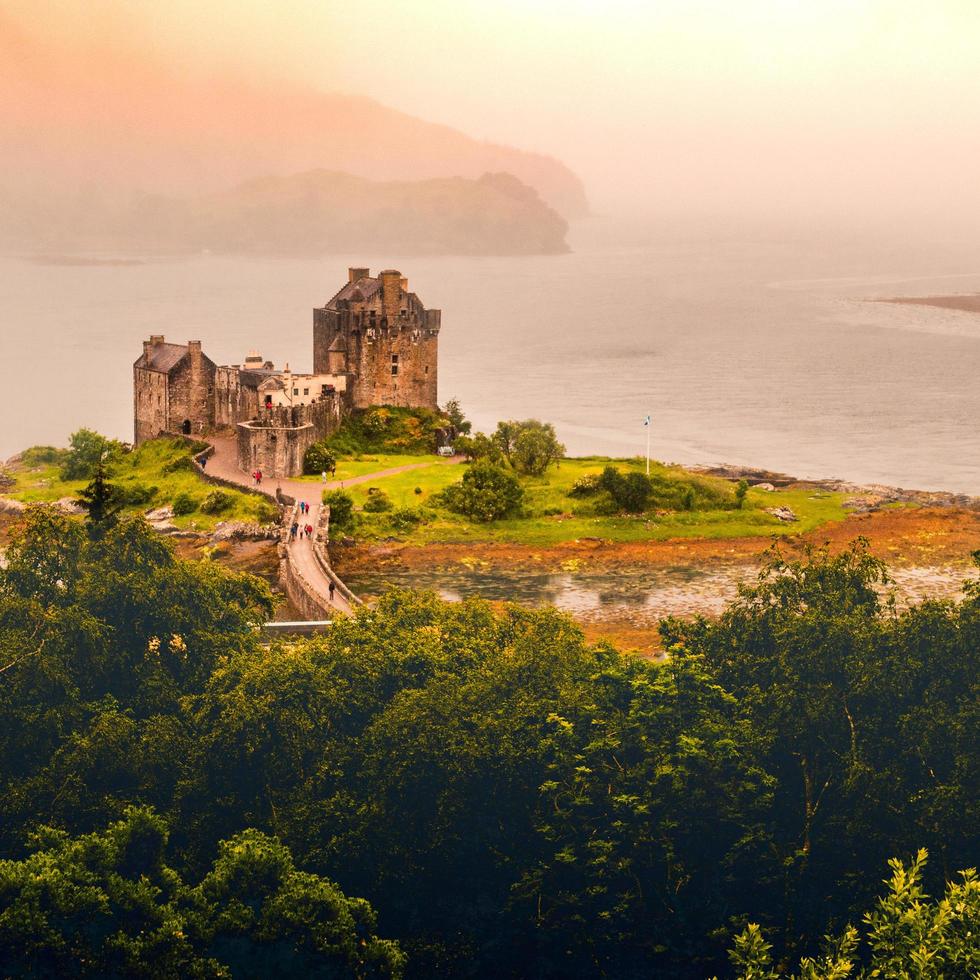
[(319, 212)]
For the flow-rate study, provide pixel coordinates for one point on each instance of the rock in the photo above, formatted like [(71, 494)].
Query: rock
[(242, 531), (69, 505), (10, 506), (160, 514), (164, 527), (782, 513), (768, 487)]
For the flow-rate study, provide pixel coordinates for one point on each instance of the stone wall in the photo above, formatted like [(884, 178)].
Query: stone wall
[(395, 366), (275, 450), (233, 402), (150, 405)]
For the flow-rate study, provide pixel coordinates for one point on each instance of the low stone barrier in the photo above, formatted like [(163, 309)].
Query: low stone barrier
[(321, 536)]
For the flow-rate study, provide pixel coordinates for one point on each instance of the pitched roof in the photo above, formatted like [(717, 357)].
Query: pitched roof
[(163, 358), (362, 289)]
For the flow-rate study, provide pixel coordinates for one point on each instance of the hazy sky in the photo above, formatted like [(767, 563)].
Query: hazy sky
[(818, 106)]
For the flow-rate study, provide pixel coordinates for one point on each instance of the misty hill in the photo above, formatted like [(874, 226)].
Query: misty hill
[(315, 213), (120, 119)]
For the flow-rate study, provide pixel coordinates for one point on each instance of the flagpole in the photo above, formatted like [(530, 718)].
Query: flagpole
[(648, 445)]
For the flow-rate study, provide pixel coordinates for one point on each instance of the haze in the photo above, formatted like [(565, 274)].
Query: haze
[(828, 110)]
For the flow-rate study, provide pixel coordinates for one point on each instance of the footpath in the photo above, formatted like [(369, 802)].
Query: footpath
[(305, 569)]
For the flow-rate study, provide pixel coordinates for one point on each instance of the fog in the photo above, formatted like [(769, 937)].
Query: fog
[(830, 111)]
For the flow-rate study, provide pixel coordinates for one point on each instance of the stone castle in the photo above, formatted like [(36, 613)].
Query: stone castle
[(374, 343)]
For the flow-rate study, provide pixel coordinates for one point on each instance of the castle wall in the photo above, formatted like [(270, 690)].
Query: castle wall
[(326, 326), (396, 367), (150, 404), (233, 401), (275, 450)]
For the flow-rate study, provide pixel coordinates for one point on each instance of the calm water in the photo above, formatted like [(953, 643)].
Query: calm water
[(761, 351)]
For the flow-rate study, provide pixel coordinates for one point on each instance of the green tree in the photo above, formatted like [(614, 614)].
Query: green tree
[(486, 493), (529, 446), (107, 904), (477, 447), (457, 420), (907, 935), (741, 489), (86, 450), (341, 506), (102, 500), (319, 459), (630, 491)]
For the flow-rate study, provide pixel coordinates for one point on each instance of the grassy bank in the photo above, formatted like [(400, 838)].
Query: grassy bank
[(553, 516), (157, 473)]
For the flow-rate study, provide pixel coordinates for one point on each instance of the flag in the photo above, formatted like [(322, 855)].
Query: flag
[(646, 421)]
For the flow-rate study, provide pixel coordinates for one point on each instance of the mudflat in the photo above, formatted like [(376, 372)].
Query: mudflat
[(970, 302)]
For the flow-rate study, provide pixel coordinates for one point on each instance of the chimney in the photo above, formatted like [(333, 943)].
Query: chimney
[(353, 274), (404, 284), (150, 345), (391, 293)]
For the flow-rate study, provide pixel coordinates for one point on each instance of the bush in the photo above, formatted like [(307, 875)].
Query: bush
[(552, 511), (86, 450), (630, 491), (137, 494), (389, 429), (741, 489), (217, 502), (341, 511), (486, 493), (405, 519), (378, 501), (318, 459), (184, 504), (586, 486), (42, 456)]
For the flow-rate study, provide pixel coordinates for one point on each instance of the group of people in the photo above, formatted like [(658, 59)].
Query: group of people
[(300, 530), (257, 477)]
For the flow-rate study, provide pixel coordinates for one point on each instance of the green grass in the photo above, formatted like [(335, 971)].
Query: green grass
[(161, 463), (365, 463), (551, 492)]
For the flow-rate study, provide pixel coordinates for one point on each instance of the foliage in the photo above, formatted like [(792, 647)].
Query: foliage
[(529, 446), (741, 489), (630, 491), (108, 904), (388, 429), (102, 501), (341, 511), (216, 502), (586, 486), (86, 450), (458, 424), (486, 493), (137, 494), (183, 504), (478, 446), (908, 935), (319, 459), (377, 501), (42, 456)]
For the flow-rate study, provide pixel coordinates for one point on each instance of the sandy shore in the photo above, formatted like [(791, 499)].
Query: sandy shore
[(970, 302)]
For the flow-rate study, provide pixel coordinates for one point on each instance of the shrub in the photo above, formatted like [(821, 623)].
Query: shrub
[(687, 498), (318, 459), (586, 486), (552, 511), (217, 502), (184, 504), (377, 501), (341, 511), (266, 511), (405, 519), (630, 491), (486, 493), (741, 489), (137, 494), (42, 456)]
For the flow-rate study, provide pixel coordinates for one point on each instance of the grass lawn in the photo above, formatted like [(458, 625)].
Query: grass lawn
[(550, 493), (347, 469), (163, 464)]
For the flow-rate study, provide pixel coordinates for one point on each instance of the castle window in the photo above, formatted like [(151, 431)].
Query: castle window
[(394, 365), (427, 369), (306, 391), (295, 391)]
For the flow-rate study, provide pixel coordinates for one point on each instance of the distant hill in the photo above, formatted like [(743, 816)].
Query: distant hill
[(121, 123), (317, 212)]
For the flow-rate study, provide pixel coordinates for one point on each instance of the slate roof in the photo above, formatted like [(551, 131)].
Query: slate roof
[(361, 290), (163, 358)]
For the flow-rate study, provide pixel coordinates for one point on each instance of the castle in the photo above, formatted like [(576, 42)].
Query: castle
[(374, 343)]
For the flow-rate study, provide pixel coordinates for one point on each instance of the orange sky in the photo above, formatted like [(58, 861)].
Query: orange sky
[(819, 107)]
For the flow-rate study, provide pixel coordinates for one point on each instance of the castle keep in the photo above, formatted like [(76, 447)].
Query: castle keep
[(374, 343)]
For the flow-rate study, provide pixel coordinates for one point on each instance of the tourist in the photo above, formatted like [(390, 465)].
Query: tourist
[(332, 590), (309, 530), (324, 476), (294, 529)]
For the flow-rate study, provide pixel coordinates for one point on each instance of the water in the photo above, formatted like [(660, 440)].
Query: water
[(747, 349)]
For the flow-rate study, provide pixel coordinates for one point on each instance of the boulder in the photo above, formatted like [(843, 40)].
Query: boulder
[(10, 506), (243, 531), (782, 514), (160, 514), (69, 505), (768, 487)]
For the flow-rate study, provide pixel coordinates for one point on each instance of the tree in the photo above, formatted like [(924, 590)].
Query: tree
[(529, 446), (107, 904), (457, 420), (476, 447), (319, 459), (102, 500), (341, 511), (87, 449), (908, 935), (486, 493)]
